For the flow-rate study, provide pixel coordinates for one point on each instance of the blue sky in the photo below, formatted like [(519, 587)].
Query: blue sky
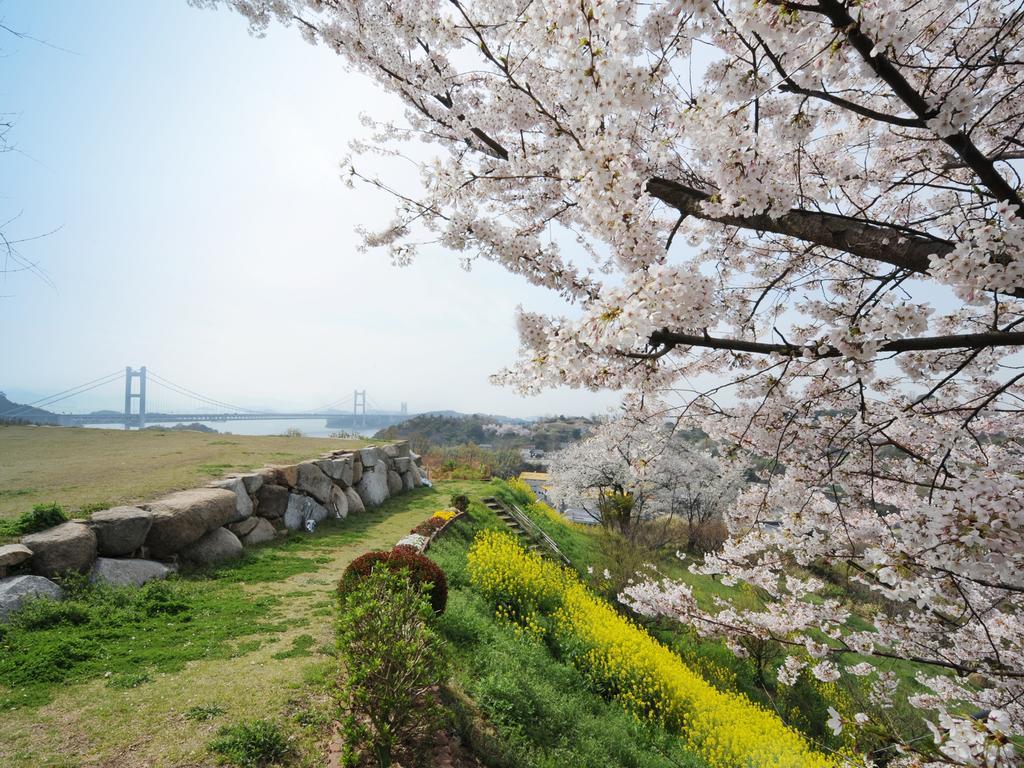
[(190, 173)]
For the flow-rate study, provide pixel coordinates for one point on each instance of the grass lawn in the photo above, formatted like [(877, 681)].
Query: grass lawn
[(148, 682), (88, 469)]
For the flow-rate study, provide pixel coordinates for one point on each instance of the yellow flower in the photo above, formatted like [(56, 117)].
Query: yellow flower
[(621, 659)]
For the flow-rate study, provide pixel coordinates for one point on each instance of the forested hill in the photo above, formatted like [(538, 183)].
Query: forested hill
[(13, 413), (480, 429)]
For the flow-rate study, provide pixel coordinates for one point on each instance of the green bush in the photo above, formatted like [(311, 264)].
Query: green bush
[(39, 518), (393, 663), (252, 744), (460, 501)]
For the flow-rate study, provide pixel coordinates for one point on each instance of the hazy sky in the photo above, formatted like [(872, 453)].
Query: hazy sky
[(191, 174)]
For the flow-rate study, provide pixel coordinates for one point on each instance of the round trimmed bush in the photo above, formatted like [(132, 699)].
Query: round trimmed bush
[(421, 569)]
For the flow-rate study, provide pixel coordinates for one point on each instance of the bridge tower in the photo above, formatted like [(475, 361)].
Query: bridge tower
[(359, 402), (130, 394)]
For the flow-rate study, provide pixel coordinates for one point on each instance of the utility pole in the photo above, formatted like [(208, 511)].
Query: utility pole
[(130, 394)]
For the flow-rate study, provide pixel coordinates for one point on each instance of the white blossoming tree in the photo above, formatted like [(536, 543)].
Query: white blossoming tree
[(796, 224), (630, 476)]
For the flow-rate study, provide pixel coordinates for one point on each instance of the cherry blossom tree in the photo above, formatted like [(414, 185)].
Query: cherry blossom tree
[(625, 475), (795, 224)]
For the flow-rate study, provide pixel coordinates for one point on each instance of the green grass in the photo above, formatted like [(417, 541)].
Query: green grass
[(96, 679), (80, 468), (122, 634), (252, 744), (523, 707)]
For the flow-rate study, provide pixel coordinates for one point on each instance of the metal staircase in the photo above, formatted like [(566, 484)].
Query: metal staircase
[(520, 524)]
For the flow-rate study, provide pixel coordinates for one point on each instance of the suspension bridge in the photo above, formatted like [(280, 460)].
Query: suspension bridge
[(147, 392)]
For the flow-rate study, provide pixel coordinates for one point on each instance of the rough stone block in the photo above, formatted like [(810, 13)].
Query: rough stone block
[(263, 532), (121, 530), (243, 504), (182, 518), (129, 572), (338, 503), (214, 547), (394, 483), (303, 508), (355, 504), (312, 481), (373, 486), (12, 555), (271, 501), (17, 589), (65, 547)]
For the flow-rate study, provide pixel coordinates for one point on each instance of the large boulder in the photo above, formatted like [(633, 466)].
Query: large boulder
[(271, 501), (391, 451), (338, 503), (417, 476), (243, 503), (394, 483), (129, 572), (17, 589), (314, 482), (65, 547), (121, 530), (252, 482), (182, 518), (408, 481), (355, 504), (368, 457), (260, 534), (13, 555), (302, 509), (288, 475), (373, 486), (403, 449), (338, 469), (357, 469), (402, 464), (214, 547)]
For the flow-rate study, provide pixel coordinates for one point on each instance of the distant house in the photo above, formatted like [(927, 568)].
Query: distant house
[(538, 482)]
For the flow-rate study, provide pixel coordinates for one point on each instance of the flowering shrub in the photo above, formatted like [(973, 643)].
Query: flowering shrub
[(621, 659), (445, 515), (422, 571), (393, 662)]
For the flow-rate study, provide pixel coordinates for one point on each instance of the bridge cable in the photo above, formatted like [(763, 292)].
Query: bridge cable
[(182, 390), (63, 395)]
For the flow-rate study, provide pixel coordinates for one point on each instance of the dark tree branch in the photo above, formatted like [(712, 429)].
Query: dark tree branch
[(665, 340), (878, 242)]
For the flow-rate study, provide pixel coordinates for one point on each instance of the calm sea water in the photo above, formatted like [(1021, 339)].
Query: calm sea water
[(309, 427)]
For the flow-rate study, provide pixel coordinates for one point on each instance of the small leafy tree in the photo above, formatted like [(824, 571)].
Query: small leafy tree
[(394, 662)]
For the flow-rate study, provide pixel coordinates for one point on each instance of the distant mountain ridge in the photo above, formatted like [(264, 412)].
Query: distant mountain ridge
[(15, 413)]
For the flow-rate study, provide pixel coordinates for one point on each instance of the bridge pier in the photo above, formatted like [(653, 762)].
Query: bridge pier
[(130, 394)]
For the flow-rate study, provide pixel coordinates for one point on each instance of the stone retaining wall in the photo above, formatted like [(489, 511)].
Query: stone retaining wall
[(203, 526)]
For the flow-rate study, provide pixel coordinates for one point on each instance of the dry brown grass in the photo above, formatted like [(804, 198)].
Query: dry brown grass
[(89, 468)]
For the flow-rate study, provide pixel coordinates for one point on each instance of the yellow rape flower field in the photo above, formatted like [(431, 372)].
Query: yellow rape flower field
[(621, 659)]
